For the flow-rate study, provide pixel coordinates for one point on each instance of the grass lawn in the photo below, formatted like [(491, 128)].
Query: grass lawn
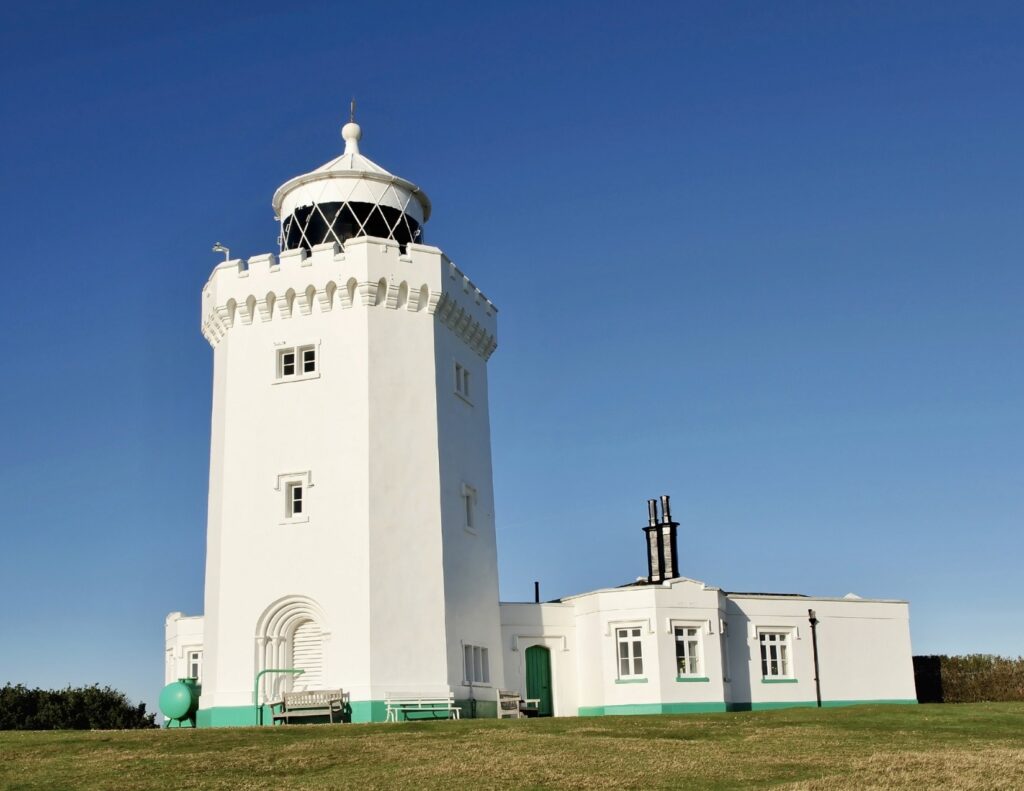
[(978, 746)]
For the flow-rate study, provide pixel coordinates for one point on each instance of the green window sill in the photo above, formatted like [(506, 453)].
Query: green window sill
[(692, 678), (631, 681), (778, 681)]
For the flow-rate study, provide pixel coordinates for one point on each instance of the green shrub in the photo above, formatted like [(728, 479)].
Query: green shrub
[(79, 708)]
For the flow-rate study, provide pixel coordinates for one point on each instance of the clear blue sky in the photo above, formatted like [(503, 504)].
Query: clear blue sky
[(765, 257)]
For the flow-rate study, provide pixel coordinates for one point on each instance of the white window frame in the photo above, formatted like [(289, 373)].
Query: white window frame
[(197, 662), (300, 350), (470, 517), (696, 638), (286, 483), (782, 640), (463, 377), (630, 636), (476, 665)]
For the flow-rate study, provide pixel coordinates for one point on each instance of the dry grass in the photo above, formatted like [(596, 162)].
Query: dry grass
[(979, 746)]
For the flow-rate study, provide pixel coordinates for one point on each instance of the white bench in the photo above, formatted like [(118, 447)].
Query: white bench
[(310, 703), (401, 706)]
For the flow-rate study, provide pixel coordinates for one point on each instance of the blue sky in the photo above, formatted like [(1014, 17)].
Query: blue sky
[(765, 258)]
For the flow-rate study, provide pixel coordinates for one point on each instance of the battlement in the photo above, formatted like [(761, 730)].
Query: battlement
[(368, 273)]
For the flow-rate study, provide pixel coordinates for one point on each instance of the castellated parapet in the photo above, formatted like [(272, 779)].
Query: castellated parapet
[(369, 273)]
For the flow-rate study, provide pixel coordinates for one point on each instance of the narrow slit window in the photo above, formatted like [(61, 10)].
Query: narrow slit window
[(462, 380), (295, 499), (195, 665), (469, 507)]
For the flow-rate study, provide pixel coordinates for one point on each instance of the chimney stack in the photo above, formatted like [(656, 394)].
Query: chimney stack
[(662, 554)]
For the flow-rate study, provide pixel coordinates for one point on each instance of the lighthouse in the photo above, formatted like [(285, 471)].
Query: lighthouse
[(350, 536), (350, 529)]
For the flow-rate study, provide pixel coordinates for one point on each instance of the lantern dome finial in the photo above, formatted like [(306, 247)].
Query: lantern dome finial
[(351, 131), (349, 196)]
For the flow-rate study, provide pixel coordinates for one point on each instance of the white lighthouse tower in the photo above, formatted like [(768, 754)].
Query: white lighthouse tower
[(351, 511)]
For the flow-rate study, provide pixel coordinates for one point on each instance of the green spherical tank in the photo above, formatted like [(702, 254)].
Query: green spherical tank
[(179, 699)]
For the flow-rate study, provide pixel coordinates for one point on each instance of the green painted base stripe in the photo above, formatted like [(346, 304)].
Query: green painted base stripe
[(711, 708), (771, 705), (810, 704), (890, 702), (241, 716), (368, 710), (652, 708), (231, 716)]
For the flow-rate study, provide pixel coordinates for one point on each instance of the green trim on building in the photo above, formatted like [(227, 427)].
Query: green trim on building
[(779, 681), (231, 717), (810, 704), (368, 710), (692, 678), (771, 705), (631, 681), (652, 708), (830, 704)]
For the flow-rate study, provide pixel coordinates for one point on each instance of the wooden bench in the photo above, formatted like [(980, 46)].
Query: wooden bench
[(311, 703), (401, 706), (508, 705)]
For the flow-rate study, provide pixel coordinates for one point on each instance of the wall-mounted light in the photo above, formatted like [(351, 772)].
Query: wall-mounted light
[(219, 248)]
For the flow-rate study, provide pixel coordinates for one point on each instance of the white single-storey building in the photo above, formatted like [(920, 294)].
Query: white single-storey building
[(351, 531)]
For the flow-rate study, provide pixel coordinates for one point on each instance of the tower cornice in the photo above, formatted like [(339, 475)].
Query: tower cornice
[(370, 273)]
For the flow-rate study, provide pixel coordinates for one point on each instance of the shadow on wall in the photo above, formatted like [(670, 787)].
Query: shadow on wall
[(928, 678)]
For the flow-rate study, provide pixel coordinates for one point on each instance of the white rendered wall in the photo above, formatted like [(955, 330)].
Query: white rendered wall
[(863, 645), (182, 634), (657, 610), (367, 431), (864, 650), (550, 625)]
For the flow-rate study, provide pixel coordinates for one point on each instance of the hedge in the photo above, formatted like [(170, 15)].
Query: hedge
[(974, 678), (81, 708)]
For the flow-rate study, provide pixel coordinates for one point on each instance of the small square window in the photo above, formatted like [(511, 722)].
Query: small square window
[(293, 488), (297, 362)]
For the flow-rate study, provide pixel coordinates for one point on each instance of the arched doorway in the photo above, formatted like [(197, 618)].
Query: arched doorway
[(307, 650), (538, 678), (290, 634)]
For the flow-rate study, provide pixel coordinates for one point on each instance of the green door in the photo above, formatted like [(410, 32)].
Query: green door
[(538, 678)]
